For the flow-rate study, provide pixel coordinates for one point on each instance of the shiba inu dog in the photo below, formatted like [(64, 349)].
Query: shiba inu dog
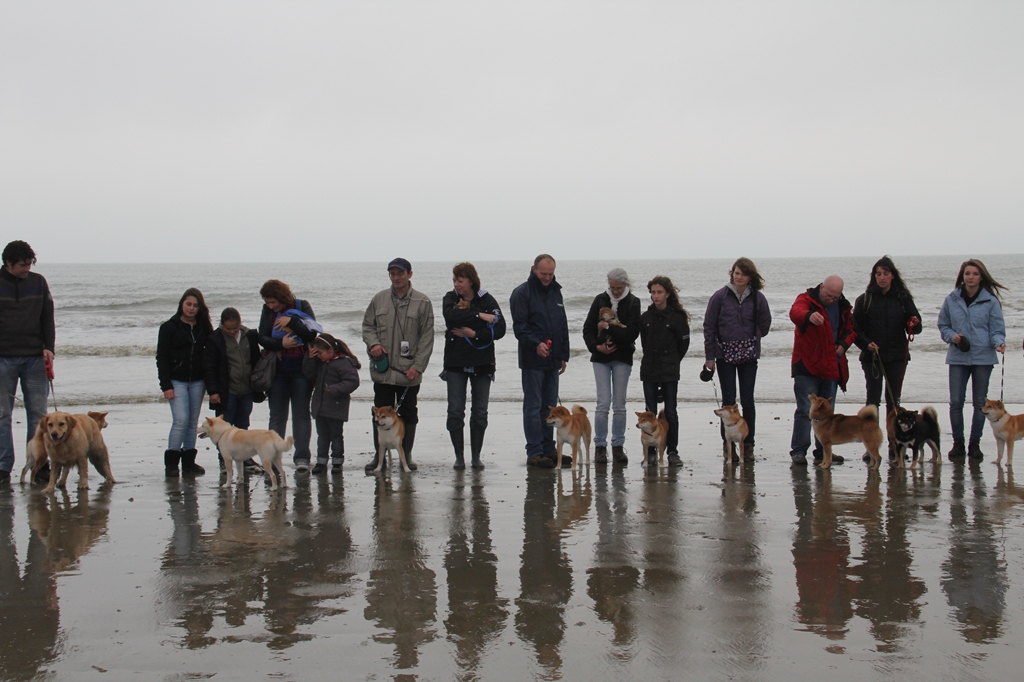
[(238, 446), (836, 429), (390, 433), (1005, 427), (913, 429), (653, 434), (570, 427), (736, 430)]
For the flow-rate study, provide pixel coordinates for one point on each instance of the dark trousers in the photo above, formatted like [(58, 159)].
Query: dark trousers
[(668, 390), (747, 375), (292, 388), (388, 395), (330, 440), (235, 410), (873, 377)]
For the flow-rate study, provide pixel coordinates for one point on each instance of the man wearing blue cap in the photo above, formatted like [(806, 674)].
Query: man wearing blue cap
[(398, 330)]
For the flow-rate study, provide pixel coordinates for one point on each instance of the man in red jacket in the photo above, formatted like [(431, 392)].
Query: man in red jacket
[(824, 331)]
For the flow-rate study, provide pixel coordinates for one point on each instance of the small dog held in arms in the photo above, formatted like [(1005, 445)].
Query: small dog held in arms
[(913, 429), (35, 454), (390, 434), (73, 439), (653, 434), (238, 446), (1005, 427), (570, 427), (836, 429), (607, 315), (736, 430)]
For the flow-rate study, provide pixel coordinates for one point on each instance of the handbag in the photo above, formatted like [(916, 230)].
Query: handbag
[(262, 377)]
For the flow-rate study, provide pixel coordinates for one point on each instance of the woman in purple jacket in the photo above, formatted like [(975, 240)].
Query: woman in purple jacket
[(736, 319)]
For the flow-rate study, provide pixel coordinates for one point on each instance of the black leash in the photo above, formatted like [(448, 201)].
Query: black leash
[(877, 365)]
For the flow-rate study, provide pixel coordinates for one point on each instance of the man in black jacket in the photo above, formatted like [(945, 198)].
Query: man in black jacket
[(26, 345)]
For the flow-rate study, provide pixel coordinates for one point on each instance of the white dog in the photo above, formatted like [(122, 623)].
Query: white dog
[(237, 445)]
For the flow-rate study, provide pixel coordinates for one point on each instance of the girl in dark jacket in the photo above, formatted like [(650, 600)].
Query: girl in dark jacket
[(334, 371), (737, 317), (473, 322), (179, 368), (611, 347), (665, 337), (285, 335), (882, 317)]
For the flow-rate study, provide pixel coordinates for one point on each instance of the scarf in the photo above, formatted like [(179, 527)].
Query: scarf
[(615, 301)]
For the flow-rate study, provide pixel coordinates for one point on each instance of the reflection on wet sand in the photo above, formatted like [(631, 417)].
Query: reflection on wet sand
[(476, 614), (286, 570), (974, 575), (63, 527), (402, 591), (545, 576)]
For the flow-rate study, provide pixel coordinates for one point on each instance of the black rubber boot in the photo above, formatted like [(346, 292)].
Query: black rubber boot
[(748, 452), (188, 464), (652, 456), (171, 459), (459, 445), (376, 449), (407, 443), (476, 446)]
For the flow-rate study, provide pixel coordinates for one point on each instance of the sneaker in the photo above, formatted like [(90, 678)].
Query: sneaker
[(301, 467), (541, 462), (799, 460), (251, 466), (600, 454), (958, 452), (319, 468), (673, 460), (619, 455), (336, 467), (974, 451)]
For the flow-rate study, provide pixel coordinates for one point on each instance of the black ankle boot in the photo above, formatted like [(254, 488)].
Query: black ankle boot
[(407, 443), (958, 452), (171, 459), (188, 464), (476, 446), (459, 445)]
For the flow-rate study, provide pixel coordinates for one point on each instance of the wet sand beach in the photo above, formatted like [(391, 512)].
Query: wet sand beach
[(706, 572)]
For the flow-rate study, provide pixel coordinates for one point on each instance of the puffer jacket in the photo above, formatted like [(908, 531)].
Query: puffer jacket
[(179, 352), (665, 338), (814, 347), (728, 319), (882, 318), (981, 322), (628, 313), (389, 322), (476, 352), (538, 315), (333, 384)]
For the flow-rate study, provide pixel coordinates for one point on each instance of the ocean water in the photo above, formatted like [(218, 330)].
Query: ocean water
[(107, 318)]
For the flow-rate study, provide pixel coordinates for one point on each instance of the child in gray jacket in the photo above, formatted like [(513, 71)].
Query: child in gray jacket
[(334, 371)]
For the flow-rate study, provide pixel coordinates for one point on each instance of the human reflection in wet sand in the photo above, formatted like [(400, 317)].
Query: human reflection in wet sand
[(62, 528), (401, 591), (476, 614), (974, 575), (292, 572), (741, 583), (888, 594), (821, 557), (613, 580), (545, 576), (662, 525)]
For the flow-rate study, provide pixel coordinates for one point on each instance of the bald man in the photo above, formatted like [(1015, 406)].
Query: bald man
[(824, 331)]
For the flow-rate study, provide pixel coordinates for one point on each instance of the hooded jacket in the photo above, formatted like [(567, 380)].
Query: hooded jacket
[(476, 352), (333, 384), (814, 347), (538, 315), (882, 318), (981, 322), (727, 318), (628, 313), (665, 337)]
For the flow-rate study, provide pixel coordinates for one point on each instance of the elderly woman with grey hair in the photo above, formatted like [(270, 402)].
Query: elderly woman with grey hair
[(611, 341)]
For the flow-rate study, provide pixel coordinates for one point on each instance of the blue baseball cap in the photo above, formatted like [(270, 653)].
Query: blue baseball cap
[(400, 263)]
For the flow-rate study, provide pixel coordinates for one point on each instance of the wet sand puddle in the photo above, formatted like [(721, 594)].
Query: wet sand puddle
[(707, 572)]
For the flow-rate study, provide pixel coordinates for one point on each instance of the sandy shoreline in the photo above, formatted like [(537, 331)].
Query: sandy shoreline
[(441, 574)]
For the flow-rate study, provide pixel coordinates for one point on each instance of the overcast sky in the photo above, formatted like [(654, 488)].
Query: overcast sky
[(338, 131)]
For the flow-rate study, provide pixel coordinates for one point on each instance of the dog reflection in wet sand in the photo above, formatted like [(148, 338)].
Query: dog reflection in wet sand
[(835, 429), (736, 431), (68, 529), (390, 434), (570, 427)]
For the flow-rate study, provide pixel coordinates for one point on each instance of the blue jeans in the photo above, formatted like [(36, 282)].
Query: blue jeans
[(186, 405), (330, 440), (291, 387), (540, 394), (803, 387), (481, 385), (747, 374), (34, 390), (958, 376), (612, 379), (668, 392), (237, 410)]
